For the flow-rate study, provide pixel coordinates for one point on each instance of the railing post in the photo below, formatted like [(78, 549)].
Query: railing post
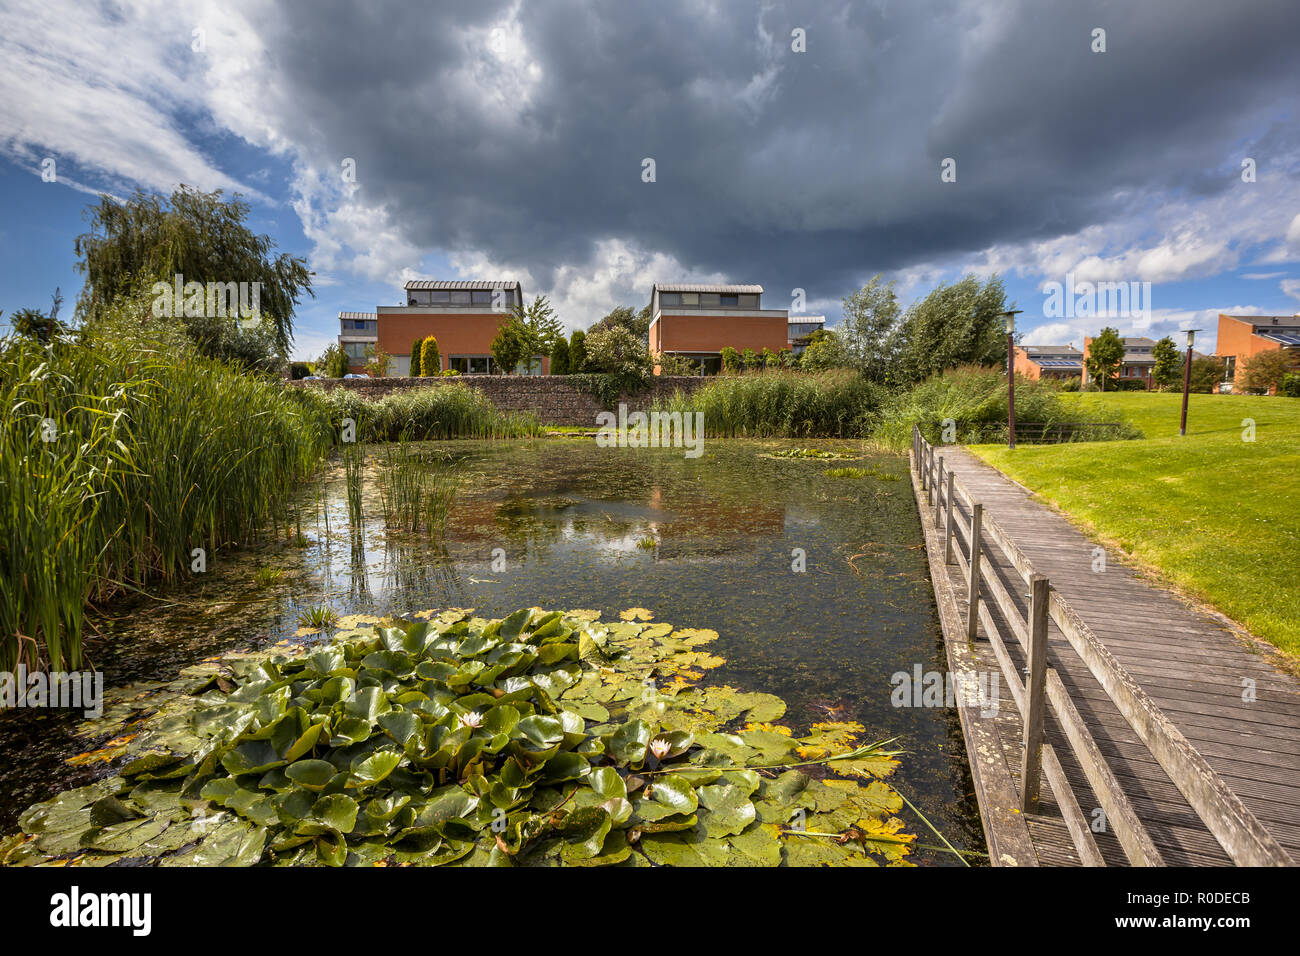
[(973, 569), (938, 492), (925, 468), (947, 524), (1031, 757)]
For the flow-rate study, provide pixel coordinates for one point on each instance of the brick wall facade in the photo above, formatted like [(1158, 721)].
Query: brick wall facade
[(554, 399)]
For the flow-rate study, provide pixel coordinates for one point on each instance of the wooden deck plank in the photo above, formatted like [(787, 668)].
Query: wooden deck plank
[(1188, 662)]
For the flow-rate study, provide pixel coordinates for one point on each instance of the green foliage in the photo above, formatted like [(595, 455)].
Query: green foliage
[(578, 351), (625, 317), (1265, 370), (1290, 385), (537, 739), (616, 351), (197, 235), (511, 345), (868, 331), (416, 346), (749, 358), (670, 364), (958, 324), (417, 488), (1168, 372), (333, 362), (450, 410), (730, 360), (825, 351), (430, 357), (560, 357), (1072, 384), (377, 361), (974, 399), (1105, 355), (1207, 373), (117, 458), (538, 327), (39, 325), (779, 404)]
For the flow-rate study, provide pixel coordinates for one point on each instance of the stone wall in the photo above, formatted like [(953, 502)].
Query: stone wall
[(554, 399)]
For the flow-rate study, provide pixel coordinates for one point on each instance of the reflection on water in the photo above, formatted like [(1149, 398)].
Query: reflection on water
[(561, 523)]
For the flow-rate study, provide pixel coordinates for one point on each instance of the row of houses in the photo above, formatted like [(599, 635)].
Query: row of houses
[(690, 320), (1239, 337)]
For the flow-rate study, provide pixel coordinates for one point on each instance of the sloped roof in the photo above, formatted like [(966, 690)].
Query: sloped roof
[(440, 285), (358, 315), (704, 287)]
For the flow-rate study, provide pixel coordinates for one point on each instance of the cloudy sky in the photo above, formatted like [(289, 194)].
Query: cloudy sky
[(508, 138)]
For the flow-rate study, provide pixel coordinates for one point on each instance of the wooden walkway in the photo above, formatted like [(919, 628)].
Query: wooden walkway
[(1190, 672)]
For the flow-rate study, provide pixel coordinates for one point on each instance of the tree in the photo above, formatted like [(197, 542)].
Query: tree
[(1264, 371), (824, 351), (957, 324), (334, 362), (730, 360), (578, 351), (867, 331), (768, 358), (560, 357), (1207, 373), (749, 358), (1169, 364), (415, 358), (430, 357), (1105, 355), (616, 351), (511, 344), (624, 316), (377, 361), (198, 236), (539, 325), (35, 324)]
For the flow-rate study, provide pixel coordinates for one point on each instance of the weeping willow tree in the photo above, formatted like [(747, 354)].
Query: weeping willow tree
[(197, 235)]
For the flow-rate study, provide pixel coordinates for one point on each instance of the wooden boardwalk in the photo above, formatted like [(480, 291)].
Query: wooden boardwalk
[(1235, 710)]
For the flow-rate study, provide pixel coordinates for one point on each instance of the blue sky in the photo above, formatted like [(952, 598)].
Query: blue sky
[(506, 139)]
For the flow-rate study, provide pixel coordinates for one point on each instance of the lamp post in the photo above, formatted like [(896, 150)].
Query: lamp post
[(1011, 376), (1187, 379)]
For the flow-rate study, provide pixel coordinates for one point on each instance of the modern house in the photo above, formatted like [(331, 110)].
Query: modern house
[(698, 321), (1243, 336), (1137, 364), (357, 332), (800, 329), (462, 315), (1049, 361)]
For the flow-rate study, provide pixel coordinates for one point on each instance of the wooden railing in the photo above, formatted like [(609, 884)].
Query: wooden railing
[(970, 543)]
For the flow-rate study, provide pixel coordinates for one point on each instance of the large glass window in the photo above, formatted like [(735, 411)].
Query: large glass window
[(670, 298), (729, 300), (690, 298), (440, 297), (481, 297), (710, 298), (748, 301)]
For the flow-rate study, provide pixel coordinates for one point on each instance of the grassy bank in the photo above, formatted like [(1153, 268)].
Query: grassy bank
[(117, 459), (1216, 515)]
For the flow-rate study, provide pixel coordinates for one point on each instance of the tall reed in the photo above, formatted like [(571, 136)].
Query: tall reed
[(417, 489), (451, 410), (119, 458)]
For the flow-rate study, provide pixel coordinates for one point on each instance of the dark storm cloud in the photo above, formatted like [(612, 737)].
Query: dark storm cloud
[(809, 169)]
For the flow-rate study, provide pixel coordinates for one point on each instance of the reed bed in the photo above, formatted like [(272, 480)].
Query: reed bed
[(438, 412), (417, 489), (776, 404), (117, 461)]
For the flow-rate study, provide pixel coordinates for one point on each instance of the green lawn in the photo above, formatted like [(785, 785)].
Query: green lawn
[(1216, 516)]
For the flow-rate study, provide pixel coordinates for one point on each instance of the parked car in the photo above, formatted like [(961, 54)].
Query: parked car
[(311, 378), (357, 375)]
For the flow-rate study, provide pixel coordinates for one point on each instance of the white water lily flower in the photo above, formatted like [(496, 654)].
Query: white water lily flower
[(471, 720), (660, 747)]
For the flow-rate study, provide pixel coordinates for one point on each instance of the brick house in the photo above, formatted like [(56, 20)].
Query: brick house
[(1049, 361), (1243, 336), (698, 321), (1137, 364)]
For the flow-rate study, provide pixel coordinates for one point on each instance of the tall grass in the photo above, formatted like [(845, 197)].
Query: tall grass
[(437, 412), (776, 404), (118, 458), (975, 400)]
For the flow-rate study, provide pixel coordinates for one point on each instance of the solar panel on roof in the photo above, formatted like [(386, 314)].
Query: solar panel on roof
[(1285, 338)]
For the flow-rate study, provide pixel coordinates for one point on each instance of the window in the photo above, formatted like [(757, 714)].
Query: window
[(748, 301), (460, 297), (690, 298), (730, 300), (356, 351), (670, 298), (709, 298), (440, 297), (481, 297), (471, 364)]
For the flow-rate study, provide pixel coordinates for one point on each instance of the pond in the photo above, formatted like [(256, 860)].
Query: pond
[(818, 587)]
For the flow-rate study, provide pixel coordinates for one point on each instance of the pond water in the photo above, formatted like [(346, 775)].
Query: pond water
[(561, 523)]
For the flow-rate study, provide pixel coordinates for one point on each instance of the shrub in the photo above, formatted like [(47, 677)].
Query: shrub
[(578, 351), (1072, 384), (975, 400), (560, 357), (1291, 385), (730, 360), (452, 410), (415, 358), (333, 363), (430, 358)]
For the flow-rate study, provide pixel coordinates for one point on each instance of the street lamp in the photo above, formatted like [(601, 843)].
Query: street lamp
[(1010, 318), (1187, 379)]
